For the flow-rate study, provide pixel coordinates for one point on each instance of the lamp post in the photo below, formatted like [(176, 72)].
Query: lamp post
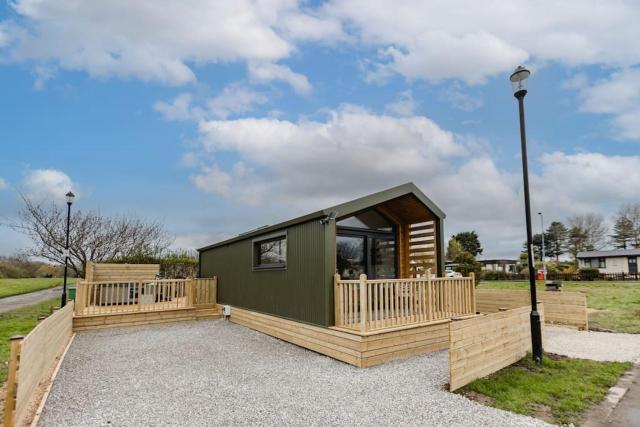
[(63, 300), (544, 264), (519, 83)]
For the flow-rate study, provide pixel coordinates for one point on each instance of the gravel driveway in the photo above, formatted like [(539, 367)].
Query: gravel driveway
[(602, 346), (215, 372)]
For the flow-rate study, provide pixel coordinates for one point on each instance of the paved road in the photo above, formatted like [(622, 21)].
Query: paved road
[(627, 412), (19, 301)]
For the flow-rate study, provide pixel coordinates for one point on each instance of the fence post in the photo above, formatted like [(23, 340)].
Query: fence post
[(214, 291), (363, 302), (472, 275), (12, 381), (189, 285)]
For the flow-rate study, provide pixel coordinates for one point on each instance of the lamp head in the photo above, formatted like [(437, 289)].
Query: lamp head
[(70, 197), (519, 81)]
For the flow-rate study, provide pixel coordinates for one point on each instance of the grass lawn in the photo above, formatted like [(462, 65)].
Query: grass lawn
[(20, 322), (9, 287), (559, 391), (615, 306)]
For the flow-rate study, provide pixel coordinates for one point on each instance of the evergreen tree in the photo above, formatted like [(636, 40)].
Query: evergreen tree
[(470, 242), (555, 240), (631, 214), (623, 233)]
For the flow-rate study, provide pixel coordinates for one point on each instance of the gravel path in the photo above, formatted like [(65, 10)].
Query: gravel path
[(215, 372), (603, 346)]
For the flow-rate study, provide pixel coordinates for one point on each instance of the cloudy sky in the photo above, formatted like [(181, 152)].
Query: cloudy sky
[(217, 117)]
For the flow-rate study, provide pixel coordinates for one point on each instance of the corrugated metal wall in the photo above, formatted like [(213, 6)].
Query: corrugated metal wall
[(303, 291)]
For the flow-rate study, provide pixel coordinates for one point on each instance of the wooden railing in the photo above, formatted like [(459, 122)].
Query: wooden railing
[(368, 305), (98, 298)]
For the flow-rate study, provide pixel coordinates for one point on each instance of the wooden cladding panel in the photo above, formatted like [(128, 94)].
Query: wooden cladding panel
[(483, 345), (357, 350), (565, 308)]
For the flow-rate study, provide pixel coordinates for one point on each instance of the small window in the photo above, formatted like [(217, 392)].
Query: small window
[(587, 262), (602, 263), (270, 252)]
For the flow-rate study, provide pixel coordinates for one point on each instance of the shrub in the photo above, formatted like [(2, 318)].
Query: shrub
[(589, 273)]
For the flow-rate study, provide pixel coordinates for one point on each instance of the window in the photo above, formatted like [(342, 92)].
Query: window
[(587, 262), (270, 252), (602, 263)]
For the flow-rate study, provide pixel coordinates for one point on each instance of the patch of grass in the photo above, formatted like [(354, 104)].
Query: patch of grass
[(10, 287), (616, 304), (20, 322), (558, 391)]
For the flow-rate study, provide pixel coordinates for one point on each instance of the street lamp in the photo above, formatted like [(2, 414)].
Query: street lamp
[(519, 83), (69, 197), (544, 264)]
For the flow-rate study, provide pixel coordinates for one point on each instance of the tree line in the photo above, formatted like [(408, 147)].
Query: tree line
[(589, 232)]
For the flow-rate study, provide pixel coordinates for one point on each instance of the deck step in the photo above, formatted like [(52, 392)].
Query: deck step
[(208, 313)]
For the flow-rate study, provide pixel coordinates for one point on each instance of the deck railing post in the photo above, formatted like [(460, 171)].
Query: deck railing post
[(189, 285), (363, 302), (429, 296), (472, 275), (337, 300), (214, 291)]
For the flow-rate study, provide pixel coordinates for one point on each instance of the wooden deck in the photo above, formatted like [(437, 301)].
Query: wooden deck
[(126, 303)]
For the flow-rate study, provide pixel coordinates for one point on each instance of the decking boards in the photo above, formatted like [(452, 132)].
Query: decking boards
[(361, 350)]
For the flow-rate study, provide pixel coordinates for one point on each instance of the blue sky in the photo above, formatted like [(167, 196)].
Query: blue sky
[(222, 117)]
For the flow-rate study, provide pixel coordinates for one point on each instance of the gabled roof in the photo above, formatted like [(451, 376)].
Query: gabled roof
[(612, 253), (343, 210)]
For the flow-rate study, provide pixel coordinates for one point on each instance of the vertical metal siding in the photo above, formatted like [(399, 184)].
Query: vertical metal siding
[(303, 291)]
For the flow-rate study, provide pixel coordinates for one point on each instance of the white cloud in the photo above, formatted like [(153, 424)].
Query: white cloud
[(268, 72), (48, 185), (618, 96), (460, 99), (149, 41), (306, 165), (404, 106), (3, 184), (179, 108), (472, 40), (235, 99)]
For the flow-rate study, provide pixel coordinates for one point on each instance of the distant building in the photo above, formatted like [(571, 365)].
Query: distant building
[(505, 265), (615, 261)]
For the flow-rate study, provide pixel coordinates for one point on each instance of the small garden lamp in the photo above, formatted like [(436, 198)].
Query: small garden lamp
[(519, 82), (69, 196)]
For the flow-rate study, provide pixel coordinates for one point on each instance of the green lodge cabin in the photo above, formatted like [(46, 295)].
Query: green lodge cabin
[(365, 268)]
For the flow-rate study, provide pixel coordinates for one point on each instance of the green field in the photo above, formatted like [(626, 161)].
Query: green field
[(613, 306), (558, 391), (10, 287), (20, 322)]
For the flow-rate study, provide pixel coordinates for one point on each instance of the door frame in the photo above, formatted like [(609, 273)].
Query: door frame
[(368, 236)]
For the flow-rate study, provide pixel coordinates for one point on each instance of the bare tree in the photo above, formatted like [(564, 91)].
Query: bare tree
[(592, 228), (92, 237)]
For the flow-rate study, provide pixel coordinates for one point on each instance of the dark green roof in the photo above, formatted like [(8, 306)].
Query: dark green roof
[(342, 210)]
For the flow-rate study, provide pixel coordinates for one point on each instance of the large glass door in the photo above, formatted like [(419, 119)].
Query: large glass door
[(351, 259), (366, 243)]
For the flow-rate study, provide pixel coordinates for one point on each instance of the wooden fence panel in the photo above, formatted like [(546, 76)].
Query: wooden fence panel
[(482, 345), (105, 272), (36, 357), (565, 308)]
